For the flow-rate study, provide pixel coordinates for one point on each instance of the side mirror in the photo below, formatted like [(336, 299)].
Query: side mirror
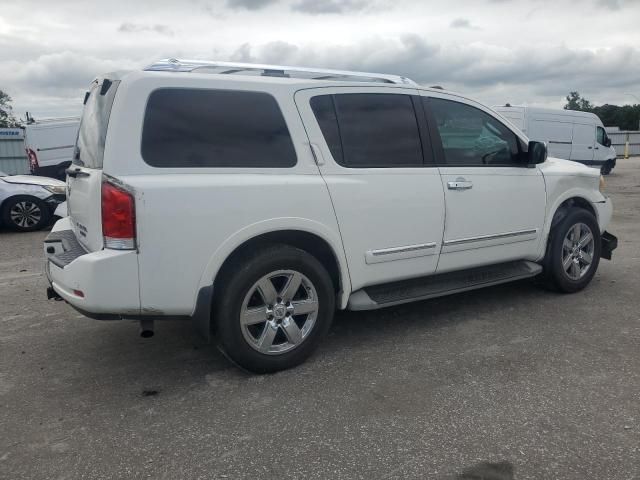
[(607, 142), (537, 153)]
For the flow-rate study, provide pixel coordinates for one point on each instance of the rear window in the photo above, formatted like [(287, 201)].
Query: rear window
[(89, 151), (186, 128)]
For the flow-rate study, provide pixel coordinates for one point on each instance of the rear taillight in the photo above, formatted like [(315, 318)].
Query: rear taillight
[(118, 218), (33, 160)]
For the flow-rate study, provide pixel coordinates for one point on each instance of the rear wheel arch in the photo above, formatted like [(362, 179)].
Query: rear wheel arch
[(304, 240)]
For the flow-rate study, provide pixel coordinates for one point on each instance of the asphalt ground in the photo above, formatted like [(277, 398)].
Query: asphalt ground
[(506, 382)]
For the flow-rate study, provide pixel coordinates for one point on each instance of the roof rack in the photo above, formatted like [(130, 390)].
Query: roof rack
[(174, 65)]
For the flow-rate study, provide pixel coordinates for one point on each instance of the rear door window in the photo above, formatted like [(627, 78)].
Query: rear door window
[(187, 128), (370, 130)]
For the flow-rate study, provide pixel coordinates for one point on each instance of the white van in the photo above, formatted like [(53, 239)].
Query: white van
[(569, 134), (49, 144)]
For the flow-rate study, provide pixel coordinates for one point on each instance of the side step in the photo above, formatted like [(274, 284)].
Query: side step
[(404, 291)]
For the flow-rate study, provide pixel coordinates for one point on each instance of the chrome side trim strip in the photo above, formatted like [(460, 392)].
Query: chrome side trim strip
[(462, 241), (408, 248)]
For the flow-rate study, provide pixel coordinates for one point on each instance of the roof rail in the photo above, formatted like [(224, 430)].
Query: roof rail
[(174, 65)]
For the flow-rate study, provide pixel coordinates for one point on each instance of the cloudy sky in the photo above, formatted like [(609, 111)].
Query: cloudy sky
[(520, 51)]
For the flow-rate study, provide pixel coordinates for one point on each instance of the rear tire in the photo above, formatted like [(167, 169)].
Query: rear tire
[(273, 308), (25, 213), (573, 252)]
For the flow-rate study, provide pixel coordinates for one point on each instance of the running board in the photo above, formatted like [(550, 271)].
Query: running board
[(404, 291)]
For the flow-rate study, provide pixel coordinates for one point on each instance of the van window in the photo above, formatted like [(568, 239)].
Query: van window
[(187, 128), (601, 136), (373, 130), (92, 133), (472, 137)]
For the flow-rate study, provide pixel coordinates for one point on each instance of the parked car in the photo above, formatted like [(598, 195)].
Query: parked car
[(572, 135), (49, 144), (28, 202), (254, 200)]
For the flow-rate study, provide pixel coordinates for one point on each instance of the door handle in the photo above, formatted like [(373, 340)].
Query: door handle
[(597, 148), (589, 148), (76, 172), (459, 184)]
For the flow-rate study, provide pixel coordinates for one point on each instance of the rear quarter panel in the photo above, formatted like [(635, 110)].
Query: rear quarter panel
[(190, 219)]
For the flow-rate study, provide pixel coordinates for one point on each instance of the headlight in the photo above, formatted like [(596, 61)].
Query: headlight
[(56, 189), (601, 184)]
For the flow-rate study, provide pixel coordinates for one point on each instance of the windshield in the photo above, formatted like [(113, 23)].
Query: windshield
[(89, 151)]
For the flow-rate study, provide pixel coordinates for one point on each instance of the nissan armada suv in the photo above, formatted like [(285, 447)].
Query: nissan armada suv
[(255, 200)]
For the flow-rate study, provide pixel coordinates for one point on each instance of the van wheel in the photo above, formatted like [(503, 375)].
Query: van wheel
[(606, 169), (573, 252), (272, 311), (25, 213)]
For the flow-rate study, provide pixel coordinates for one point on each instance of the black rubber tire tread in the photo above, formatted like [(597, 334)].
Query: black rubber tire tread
[(553, 276), (10, 202), (230, 293)]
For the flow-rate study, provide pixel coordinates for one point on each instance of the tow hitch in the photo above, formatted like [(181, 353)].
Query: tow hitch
[(52, 294)]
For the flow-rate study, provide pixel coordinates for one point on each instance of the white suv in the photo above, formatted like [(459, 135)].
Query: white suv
[(257, 199)]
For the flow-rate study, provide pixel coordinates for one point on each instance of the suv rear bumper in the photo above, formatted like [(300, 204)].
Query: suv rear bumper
[(95, 283)]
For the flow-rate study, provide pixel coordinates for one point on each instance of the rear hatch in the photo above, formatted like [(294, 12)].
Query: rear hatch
[(84, 176)]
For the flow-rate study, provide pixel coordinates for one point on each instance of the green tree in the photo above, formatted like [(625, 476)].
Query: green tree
[(576, 102), (6, 112)]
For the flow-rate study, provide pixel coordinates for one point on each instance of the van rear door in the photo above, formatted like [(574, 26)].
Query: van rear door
[(584, 136), (84, 176)]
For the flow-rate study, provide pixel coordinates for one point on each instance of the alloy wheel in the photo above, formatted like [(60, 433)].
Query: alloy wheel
[(25, 214), (577, 251), (279, 311)]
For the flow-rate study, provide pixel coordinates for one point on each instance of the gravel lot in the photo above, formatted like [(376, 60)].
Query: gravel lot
[(510, 380)]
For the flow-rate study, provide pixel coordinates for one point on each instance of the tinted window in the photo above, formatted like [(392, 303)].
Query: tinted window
[(601, 136), (325, 113), (89, 151), (215, 128), (472, 137), (374, 129)]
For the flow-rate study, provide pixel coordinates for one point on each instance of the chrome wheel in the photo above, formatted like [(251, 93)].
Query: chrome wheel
[(25, 214), (577, 251), (279, 311)]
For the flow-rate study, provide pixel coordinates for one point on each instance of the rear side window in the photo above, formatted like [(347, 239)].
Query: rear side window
[(472, 137), (92, 133), (375, 130), (187, 128)]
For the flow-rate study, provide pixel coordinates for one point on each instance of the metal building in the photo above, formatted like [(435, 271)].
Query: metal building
[(13, 157)]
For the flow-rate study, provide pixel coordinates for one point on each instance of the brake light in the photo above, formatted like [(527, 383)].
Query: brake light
[(118, 218), (33, 160)]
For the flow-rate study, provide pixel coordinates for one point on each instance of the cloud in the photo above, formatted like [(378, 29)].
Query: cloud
[(318, 7), (463, 23), (535, 73), (137, 28), (250, 4)]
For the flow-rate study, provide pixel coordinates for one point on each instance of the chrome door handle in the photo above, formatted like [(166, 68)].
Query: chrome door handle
[(459, 185)]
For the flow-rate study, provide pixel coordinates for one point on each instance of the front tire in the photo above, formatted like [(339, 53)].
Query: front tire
[(573, 252), (25, 213), (273, 308)]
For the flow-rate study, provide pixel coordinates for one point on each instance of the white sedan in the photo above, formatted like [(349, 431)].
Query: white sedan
[(28, 202)]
